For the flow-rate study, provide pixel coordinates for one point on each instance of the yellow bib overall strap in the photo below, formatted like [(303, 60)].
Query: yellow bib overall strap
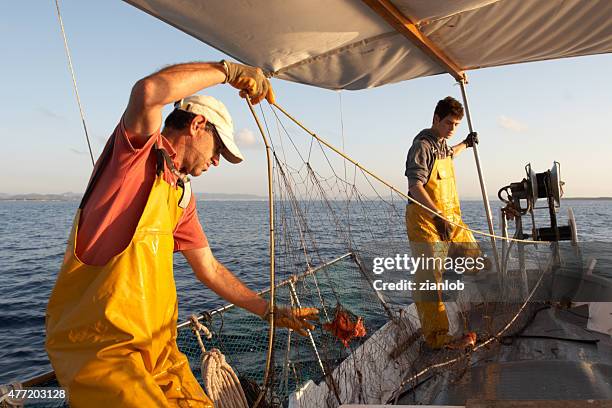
[(111, 330), (425, 241)]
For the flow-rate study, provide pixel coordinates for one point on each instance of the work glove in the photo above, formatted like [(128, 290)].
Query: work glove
[(295, 319), (443, 227), (250, 80), (471, 139)]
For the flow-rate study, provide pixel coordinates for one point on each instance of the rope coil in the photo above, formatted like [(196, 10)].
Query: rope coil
[(220, 381), (5, 400)]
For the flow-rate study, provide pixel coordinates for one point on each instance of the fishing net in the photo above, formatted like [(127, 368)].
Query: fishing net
[(333, 220)]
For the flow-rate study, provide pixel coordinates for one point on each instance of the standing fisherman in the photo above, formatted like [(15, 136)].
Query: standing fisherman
[(431, 182), (111, 319)]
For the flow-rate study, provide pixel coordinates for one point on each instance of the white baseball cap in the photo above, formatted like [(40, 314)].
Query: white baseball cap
[(216, 113)]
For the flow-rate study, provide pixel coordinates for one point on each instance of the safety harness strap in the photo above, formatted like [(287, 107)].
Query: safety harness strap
[(163, 156), (182, 182)]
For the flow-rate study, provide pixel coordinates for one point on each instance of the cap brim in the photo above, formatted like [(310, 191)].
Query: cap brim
[(230, 152)]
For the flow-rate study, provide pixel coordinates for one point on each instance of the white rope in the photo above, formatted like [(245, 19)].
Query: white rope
[(220, 381), (6, 401), (74, 84)]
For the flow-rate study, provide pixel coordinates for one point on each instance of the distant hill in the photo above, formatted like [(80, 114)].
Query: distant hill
[(41, 197), (228, 197), (588, 198), (493, 199), (75, 197), (70, 196)]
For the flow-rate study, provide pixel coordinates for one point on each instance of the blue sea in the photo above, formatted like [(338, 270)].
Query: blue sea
[(34, 235)]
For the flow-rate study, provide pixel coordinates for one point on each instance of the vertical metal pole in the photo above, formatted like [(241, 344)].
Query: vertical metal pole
[(287, 364), (521, 255), (508, 292), (483, 188), (272, 279), (503, 224), (314, 345)]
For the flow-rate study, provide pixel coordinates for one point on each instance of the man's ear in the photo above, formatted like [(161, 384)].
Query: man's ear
[(436, 119), (198, 123)]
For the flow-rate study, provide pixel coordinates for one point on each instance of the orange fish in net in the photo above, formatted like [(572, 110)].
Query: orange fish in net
[(465, 342), (345, 326)]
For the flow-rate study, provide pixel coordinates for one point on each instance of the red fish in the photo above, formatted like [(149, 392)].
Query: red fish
[(344, 327)]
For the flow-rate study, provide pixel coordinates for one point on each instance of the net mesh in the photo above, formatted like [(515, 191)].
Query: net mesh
[(242, 337), (325, 207)]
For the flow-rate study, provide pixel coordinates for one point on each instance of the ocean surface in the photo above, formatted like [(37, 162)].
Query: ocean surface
[(34, 234)]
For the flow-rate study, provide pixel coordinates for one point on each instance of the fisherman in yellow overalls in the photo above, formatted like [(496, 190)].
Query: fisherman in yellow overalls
[(431, 182), (111, 318)]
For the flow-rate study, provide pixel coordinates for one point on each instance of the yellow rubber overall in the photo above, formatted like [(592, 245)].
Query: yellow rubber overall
[(111, 330), (425, 241)]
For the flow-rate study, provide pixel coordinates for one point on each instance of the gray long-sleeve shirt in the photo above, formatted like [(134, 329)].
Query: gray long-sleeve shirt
[(425, 149)]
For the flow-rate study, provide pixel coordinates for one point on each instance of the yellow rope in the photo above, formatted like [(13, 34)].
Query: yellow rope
[(401, 193)]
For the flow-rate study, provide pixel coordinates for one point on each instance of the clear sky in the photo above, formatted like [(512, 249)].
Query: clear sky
[(537, 112)]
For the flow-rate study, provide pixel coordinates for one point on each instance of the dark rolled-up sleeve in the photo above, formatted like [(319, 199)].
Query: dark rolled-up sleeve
[(419, 161)]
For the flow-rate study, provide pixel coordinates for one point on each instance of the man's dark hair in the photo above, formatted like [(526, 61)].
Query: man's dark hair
[(449, 106), (179, 119)]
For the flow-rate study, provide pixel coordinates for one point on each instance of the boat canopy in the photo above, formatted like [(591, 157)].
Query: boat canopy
[(352, 44)]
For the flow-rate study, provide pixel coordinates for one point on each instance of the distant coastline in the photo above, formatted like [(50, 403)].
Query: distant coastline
[(40, 197), (229, 197), (588, 198), (562, 199), (70, 196), (76, 197)]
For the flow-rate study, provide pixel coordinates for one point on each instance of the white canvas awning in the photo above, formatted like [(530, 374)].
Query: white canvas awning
[(346, 44)]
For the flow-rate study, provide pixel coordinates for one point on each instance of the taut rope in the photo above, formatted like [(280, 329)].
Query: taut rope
[(74, 84), (396, 190)]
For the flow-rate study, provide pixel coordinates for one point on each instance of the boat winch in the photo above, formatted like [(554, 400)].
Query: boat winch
[(521, 198)]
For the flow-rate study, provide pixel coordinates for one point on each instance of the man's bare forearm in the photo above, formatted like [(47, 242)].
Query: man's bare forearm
[(223, 282), (227, 285), (178, 81)]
